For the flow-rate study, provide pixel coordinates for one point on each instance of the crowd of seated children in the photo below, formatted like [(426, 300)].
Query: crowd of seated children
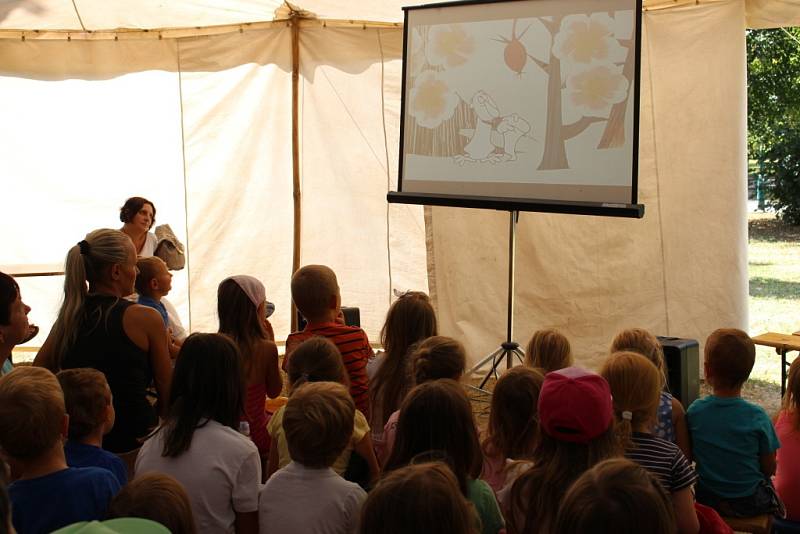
[(315, 292), (616, 496), (47, 494), (548, 350), (307, 495), (153, 283), (157, 497), (513, 428), (241, 308), (787, 426), (635, 387), (733, 440), (423, 497), (91, 416), (410, 319), (576, 432), (199, 444), (436, 418), (434, 358), (671, 421)]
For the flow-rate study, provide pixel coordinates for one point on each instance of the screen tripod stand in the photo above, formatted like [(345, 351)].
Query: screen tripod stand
[(509, 349)]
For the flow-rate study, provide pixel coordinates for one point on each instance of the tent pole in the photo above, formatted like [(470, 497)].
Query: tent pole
[(295, 21)]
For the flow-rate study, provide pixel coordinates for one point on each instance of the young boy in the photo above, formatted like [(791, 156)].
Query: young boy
[(734, 442), (315, 292), (33, 424), (307, 495), (91, 416), (153, 283)]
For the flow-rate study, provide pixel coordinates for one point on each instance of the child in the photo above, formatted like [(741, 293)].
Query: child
[(734, 441), (548, 350), (615, 496), (318, 360), (153, 283), (410, 319), (787, 476), (14, 327), (635, 387), (33, 422), (157, 497), (437, 417), (513, 423), (671, 421), (315, 292), (199, 443), (307, 495), (241, 307), (576, 432), (434, 358), (91, 416), (418, 498)]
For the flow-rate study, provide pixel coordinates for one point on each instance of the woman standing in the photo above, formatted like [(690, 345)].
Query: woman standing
[(97, 328)]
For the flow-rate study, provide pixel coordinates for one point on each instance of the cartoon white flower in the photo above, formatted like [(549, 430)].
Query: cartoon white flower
[(431, 100), (416, 55), (594, 90), (588, 39), (449, 45)]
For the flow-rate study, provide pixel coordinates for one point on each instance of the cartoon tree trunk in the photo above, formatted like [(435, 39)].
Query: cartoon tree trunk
[(614, 134)]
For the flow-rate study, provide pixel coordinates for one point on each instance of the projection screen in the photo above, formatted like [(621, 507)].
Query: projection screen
[(527, 104)]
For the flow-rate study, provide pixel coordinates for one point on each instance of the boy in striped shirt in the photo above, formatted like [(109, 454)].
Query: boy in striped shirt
[(315, 292)]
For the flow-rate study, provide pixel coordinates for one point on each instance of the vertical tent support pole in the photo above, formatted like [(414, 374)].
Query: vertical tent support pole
[(295, 24)]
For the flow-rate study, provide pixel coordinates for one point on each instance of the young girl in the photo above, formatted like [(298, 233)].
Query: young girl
[(513, 423), (576, 432), (241, 303), (787, 426), (418, 498), (436, 418), (198, 443), (318, 360), (635, 387), (410, 319), (671, 421), (548, 350), (616, 496), (434, 358)]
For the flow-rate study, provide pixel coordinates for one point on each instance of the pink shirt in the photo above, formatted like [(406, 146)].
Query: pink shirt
[(787, 476)]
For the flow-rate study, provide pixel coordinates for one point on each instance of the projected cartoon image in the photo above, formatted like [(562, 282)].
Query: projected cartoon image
[(548, 93)]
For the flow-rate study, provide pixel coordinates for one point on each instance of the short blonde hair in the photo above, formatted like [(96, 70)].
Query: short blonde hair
[(87, 396), (31, 412), (548, 350), (318, 422), (731, 354), (642, 342), (148, 269), (157, 497), (312, 289)]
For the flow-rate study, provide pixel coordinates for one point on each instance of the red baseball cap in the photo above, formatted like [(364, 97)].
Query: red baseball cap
[(575, 405)]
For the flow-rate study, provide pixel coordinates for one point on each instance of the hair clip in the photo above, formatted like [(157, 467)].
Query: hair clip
[(627, 415)]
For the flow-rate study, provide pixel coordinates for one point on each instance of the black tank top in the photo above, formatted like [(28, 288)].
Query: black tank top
[(103, 345)]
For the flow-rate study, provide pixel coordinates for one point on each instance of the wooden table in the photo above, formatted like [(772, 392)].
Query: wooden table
[(783, 343)]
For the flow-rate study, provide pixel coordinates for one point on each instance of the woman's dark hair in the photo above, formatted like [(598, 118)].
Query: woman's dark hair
[(436, 419), (9, 289), (238, 318), (208, 384), (132, 207)]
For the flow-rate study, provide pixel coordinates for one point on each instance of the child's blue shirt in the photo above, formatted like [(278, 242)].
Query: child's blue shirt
[(156, 304), (82, 455), (729, 435), (44, 504)]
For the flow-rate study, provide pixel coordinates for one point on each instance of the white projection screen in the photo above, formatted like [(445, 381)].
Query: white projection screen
[(523, 105)]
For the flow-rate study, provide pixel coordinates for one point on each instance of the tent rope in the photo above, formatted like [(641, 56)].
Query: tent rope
[(185, 185), (80, 20), (388, 173)]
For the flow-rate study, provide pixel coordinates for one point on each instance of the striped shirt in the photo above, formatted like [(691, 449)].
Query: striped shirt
[(353, 343), (662, 459)]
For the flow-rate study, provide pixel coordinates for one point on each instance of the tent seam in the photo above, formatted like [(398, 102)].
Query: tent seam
[(388, 173), (658, 188), (185, 185)]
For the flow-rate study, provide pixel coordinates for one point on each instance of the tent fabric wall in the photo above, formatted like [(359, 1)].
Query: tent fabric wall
[(680, 271)]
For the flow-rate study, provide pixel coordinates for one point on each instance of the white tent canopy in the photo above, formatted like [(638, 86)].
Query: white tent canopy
[(189, 103)]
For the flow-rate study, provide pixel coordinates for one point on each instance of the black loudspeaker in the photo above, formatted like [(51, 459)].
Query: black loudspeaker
[(683, 368), (352, 317)]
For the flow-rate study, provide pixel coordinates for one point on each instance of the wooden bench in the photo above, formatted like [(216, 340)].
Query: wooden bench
[(760, 524), (783, 343)]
